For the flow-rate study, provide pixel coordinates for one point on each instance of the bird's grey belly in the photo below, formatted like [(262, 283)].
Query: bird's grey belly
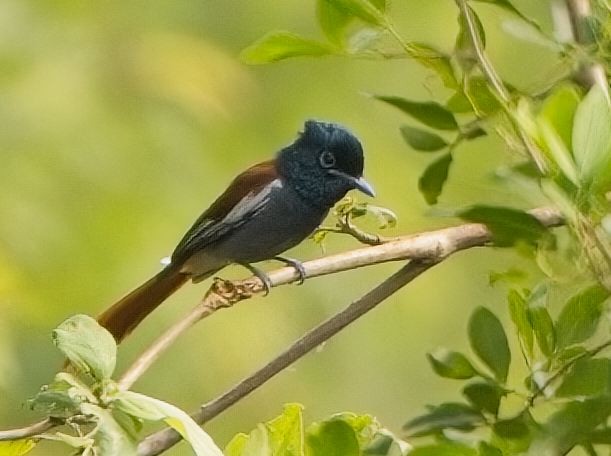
[(282, 223)]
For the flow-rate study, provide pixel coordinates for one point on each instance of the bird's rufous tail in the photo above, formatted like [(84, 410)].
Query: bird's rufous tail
[(128, 312)]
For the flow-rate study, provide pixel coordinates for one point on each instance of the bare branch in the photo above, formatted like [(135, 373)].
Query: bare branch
[(426, 250), (28, 431), (161, 441)]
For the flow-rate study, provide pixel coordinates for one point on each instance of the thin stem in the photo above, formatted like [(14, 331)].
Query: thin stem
[(161, 441), (564, 369), (29, 431)]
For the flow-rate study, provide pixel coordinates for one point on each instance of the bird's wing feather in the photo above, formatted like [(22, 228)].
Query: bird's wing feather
[(244, 197)]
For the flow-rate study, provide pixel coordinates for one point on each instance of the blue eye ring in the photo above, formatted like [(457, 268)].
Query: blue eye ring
[(327, 159)]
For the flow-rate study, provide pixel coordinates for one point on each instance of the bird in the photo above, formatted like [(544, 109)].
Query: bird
[(267, 209)]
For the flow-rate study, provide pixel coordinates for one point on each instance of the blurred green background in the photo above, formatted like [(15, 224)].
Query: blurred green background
[(120, 121)]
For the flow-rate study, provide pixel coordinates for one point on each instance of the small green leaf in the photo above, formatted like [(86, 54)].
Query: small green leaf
[(587, 377), (16, 447), (559, 111), (450, 415), (485, 396), (489, 342), (276, 46), (148, 408), (485, 449), (543, 328), (450, 364), (88, 346), (444, 449), (572, 425), (518, 310), (332, 437), (458, 103), (435, 60), (365, 10), (334, 20), (434, 177), (507, 225), (482, 96), (422, 140), (557, 150), (506, 4), (580, 316), (592, 138), (514, 435), (385, 443), (384, 216), (429, 113), (63, 397)]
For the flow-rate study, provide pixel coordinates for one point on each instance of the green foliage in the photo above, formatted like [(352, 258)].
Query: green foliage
[(343, 434), (90, 393), (429, 113), (434, 177), (282, 45), (16, 448), (508, 226), (422, 140)]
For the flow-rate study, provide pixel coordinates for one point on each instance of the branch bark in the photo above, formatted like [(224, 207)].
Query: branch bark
[(425, 250)]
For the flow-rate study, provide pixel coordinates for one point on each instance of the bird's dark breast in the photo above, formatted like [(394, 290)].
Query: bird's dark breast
[(281, 223)]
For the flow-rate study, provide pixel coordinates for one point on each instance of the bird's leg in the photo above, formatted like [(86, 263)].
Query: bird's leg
[(298, 265), (267, 283)]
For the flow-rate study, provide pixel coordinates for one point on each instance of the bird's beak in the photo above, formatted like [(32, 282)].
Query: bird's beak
[(359, 184)]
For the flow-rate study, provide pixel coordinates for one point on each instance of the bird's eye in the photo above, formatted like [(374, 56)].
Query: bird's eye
[(327, 159)]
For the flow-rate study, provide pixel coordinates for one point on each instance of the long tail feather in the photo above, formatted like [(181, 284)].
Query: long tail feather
[(128, 312)]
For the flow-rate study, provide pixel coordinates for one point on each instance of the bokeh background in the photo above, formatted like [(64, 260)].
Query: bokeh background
[(120, 121)]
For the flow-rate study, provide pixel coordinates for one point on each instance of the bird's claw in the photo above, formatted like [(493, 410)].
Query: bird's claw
[(261, 275), (298, 265)]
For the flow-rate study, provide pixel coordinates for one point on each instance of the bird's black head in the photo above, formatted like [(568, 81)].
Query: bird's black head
[(324, 163)]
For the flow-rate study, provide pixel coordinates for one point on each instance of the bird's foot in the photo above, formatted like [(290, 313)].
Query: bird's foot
[(298, 265), (261, 275)]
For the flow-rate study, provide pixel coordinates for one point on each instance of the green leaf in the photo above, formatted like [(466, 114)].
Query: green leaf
[(429, 113), (580, 316), (16, 447), (558, 152), (334, 20), (368, 11), (513, 435), (518, 310), (63, 397), (444, 449), (485, 449), (559, 111), (587, 377), (450, 364), (592, 138), (276, 46), (434, 177), (482, 96), (485, 396), (385, 443), (507, 225), (489, 342), (282, 435), (332, 438), (543, 328), (450, 415), (463, 47), (88, 346), (572, 425), (422, 140), (148, 408), (110, 438), (435, 60), (506, 4)]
